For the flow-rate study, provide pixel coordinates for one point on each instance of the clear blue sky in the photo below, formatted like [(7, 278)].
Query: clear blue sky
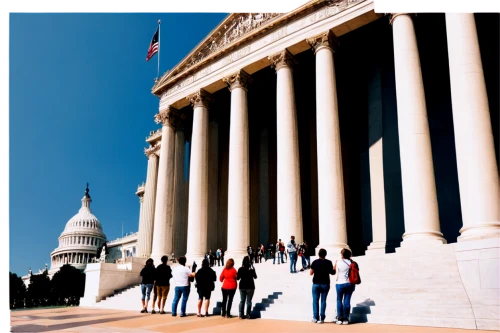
[(80, 109)]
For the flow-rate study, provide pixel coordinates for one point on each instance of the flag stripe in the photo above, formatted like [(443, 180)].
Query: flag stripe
[(153, 46)]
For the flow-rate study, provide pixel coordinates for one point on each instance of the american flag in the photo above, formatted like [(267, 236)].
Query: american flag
[(153, 47)]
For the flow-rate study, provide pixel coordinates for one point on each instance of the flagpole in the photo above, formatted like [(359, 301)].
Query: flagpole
[(158, 72)]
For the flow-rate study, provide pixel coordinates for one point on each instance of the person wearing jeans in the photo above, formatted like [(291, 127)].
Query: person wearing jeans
[(148, 274), (321, 269), (292, 252), (246, 275), (228, 278), (181, 275), (344, 287)]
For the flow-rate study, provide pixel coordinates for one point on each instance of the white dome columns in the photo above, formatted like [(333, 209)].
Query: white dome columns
[(238, 216), (288, 169), (163, 217), (198, 178), (147, 212), (331, 202), (477, 167), (421, 215)]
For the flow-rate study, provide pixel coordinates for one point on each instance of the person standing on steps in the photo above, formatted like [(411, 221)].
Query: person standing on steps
[(281, 248), (292, 252), (163, 276), (205, 284), (218, 257), (246, 275), (228, 278), (181, 275), (321, 269), (344, 287), (148, 279)]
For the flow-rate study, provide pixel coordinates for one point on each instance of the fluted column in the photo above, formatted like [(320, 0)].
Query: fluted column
[(180, 220), (238, 214), (146, 219), (476, 163), (213, 182), (288, 170), (331, 202), (417, 170), (198, 179), (163, 236)]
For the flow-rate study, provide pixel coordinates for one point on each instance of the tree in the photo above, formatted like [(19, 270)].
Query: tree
[(67, 286), (17, 291), (38, 293)]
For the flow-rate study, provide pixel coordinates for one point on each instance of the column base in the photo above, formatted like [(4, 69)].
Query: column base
[(236, 255), (382, 247), (332, 250), (482, 231), (421, 241)]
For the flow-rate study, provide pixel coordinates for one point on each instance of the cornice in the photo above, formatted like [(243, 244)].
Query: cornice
[(242, 30)]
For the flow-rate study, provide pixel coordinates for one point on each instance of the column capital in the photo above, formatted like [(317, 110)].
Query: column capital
[(140, 190), (200, 99), (170, 117), (153, 150), (282, 59), (240, 79), (324, 40), (392, 16)]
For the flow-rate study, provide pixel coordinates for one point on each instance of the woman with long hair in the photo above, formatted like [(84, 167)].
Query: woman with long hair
[(246, 273), (148, 279), (228, 278), (344, 287), (205, 278)]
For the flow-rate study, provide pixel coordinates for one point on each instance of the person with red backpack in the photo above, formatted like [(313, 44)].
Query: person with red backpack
[(347, 278)]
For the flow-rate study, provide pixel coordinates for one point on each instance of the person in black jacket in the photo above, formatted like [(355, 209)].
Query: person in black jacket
[(246, 273), (148, 274), (205, 278), (163, 276)]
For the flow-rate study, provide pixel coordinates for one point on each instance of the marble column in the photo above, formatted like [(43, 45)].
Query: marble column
[(238, 214), (146, 219), (180, 221), (163, 236), (213, 182), (417, 170), (331, 202), (264, 209), (288, 170), (198, 179), (476, 163)]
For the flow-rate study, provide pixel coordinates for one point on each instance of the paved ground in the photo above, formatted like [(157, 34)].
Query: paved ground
[(76, 319)]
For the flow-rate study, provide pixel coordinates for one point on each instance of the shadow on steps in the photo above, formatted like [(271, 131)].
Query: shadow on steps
[(360, 311), (258, 307)]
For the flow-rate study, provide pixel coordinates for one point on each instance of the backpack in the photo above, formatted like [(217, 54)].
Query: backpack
[(353, 273)]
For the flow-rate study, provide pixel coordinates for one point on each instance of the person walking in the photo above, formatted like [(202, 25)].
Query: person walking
[(246, 276), (205, 284), (292, 252), (148, 279), (181, 276), (228, 278), (344, 287), (217, 253), (321, 269), (163, 276), (307, 255)]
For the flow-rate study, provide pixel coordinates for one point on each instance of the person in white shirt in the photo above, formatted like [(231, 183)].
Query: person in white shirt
[(181, 275), (344, 287)]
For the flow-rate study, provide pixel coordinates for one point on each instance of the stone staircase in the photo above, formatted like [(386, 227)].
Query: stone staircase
[(420, 287)]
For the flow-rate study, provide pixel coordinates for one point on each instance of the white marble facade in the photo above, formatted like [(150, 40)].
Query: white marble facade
[(246, 43)]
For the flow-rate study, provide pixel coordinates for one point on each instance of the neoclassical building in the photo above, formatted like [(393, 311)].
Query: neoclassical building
[(332, 123)]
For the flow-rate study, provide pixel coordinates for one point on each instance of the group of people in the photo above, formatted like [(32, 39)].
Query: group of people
[(158, 280), (256, 254), (213, 257), (291, 252)]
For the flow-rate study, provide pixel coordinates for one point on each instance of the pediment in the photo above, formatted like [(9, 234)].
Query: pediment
[(233, 29)]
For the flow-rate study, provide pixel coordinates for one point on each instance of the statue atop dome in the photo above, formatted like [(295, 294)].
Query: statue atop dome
[(87, 191)]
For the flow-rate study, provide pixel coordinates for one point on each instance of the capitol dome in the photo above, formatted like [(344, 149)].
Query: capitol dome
[(81, 238)]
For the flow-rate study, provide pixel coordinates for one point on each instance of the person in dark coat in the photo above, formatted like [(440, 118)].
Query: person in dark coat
[(163, 276), (246, 275), (205, 284)]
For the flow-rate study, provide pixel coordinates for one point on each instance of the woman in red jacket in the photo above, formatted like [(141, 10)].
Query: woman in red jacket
[(229, 285)]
